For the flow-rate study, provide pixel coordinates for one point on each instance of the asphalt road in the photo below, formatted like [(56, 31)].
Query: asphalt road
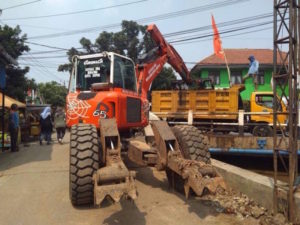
[(34, 190)]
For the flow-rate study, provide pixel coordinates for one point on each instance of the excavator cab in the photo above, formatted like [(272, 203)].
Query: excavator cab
[(104, 85), (105, 68)]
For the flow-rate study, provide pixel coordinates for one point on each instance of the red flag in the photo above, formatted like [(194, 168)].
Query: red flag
[(217, 41)]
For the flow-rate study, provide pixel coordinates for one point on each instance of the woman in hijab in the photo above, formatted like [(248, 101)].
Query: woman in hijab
[(46, 125)]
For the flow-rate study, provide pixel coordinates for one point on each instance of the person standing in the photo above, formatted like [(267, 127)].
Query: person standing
[(60, 124), (14, 127), (46, 125), (253, 70)]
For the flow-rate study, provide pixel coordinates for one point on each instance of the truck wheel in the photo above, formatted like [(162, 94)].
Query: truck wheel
[(193, 145), (262, 131), (84, 162)]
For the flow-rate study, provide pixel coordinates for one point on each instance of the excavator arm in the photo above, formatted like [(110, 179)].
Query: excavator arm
[(163, 53)]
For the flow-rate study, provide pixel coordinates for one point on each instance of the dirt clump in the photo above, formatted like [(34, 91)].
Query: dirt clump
[(232, 202)]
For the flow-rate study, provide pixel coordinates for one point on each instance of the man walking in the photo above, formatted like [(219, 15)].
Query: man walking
[(14, 127)]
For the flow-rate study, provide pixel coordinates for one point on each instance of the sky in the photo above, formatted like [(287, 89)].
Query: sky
[(252, 33)]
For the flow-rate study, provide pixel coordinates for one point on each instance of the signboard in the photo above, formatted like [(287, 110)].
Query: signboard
[(2, 77), (92, 68)]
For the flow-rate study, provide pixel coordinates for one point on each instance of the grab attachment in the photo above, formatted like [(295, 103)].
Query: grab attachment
[(113, 180), (197, 175)]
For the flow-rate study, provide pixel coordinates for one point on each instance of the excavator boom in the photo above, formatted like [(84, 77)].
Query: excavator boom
[(174, 59), (163, 53)]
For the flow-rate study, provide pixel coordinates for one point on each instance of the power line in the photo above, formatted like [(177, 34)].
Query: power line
[(48, 57), (47, 46), (42, 67), (35, 65), (41, 72), (222, 24), (223, 37), (177, 33), (46, 52), (187, 39), (27, 3), (38, 27), (75, 12), (145, 20), (221, 32)]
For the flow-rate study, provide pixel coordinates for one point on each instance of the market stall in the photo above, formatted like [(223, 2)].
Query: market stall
[(8, 101)]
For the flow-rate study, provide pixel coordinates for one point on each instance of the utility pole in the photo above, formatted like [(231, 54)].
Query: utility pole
[(285, 86)]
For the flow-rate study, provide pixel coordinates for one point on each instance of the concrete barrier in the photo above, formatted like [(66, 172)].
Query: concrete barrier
[(255, 186)]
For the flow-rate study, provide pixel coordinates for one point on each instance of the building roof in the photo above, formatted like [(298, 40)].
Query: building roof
[(239, 57), (8, 101)]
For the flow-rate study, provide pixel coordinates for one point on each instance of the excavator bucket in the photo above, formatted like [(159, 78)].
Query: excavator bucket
[(197, 175), (113, 180)]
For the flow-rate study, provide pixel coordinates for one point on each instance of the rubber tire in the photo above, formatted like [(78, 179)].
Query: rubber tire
[(84, 162), (193, 145), (257, 131)]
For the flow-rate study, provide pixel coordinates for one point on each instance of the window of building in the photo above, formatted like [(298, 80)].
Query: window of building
[(236, 77), (214, 75)]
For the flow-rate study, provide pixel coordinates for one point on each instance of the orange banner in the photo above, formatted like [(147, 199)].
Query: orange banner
[(217, 41)]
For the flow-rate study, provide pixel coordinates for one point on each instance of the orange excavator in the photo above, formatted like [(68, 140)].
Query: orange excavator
[(106, 103)]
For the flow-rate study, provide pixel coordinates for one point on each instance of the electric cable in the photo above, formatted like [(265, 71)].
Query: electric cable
[(15, 6), (35, 61), (74, 12), (189, 38), (177, 33), (143, 20)]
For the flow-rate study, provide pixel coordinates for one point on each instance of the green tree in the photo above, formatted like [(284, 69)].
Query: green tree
[(14, 44), (126, 42), (53, 93), (131, 41), (164, 80)]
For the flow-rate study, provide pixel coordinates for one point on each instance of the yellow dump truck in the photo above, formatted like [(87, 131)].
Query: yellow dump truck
[(218, 109)]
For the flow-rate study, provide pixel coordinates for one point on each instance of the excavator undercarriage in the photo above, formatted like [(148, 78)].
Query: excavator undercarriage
[(114, 180)]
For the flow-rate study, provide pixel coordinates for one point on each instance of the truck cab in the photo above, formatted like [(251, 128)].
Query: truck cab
[(262, 102)]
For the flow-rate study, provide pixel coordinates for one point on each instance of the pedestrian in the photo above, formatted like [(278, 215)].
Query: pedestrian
[(46, 125), (253, 70), (14, 127), (60, 124)]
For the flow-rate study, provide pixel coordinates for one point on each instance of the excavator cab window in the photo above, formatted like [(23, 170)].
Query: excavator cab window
[(93, 70), (124, 73)]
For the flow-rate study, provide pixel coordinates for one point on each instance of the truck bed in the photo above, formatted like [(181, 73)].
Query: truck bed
[(207, 104)]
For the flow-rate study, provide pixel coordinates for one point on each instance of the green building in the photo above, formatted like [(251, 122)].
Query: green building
[(215, 68)]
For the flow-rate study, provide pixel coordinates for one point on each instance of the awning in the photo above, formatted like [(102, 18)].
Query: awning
[(9, 101)]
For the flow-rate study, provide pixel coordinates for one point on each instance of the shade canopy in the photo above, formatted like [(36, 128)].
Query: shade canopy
[(8, 101)]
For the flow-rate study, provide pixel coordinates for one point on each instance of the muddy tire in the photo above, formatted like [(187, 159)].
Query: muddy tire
[(263, 130), (193, 145), (84, 161)]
